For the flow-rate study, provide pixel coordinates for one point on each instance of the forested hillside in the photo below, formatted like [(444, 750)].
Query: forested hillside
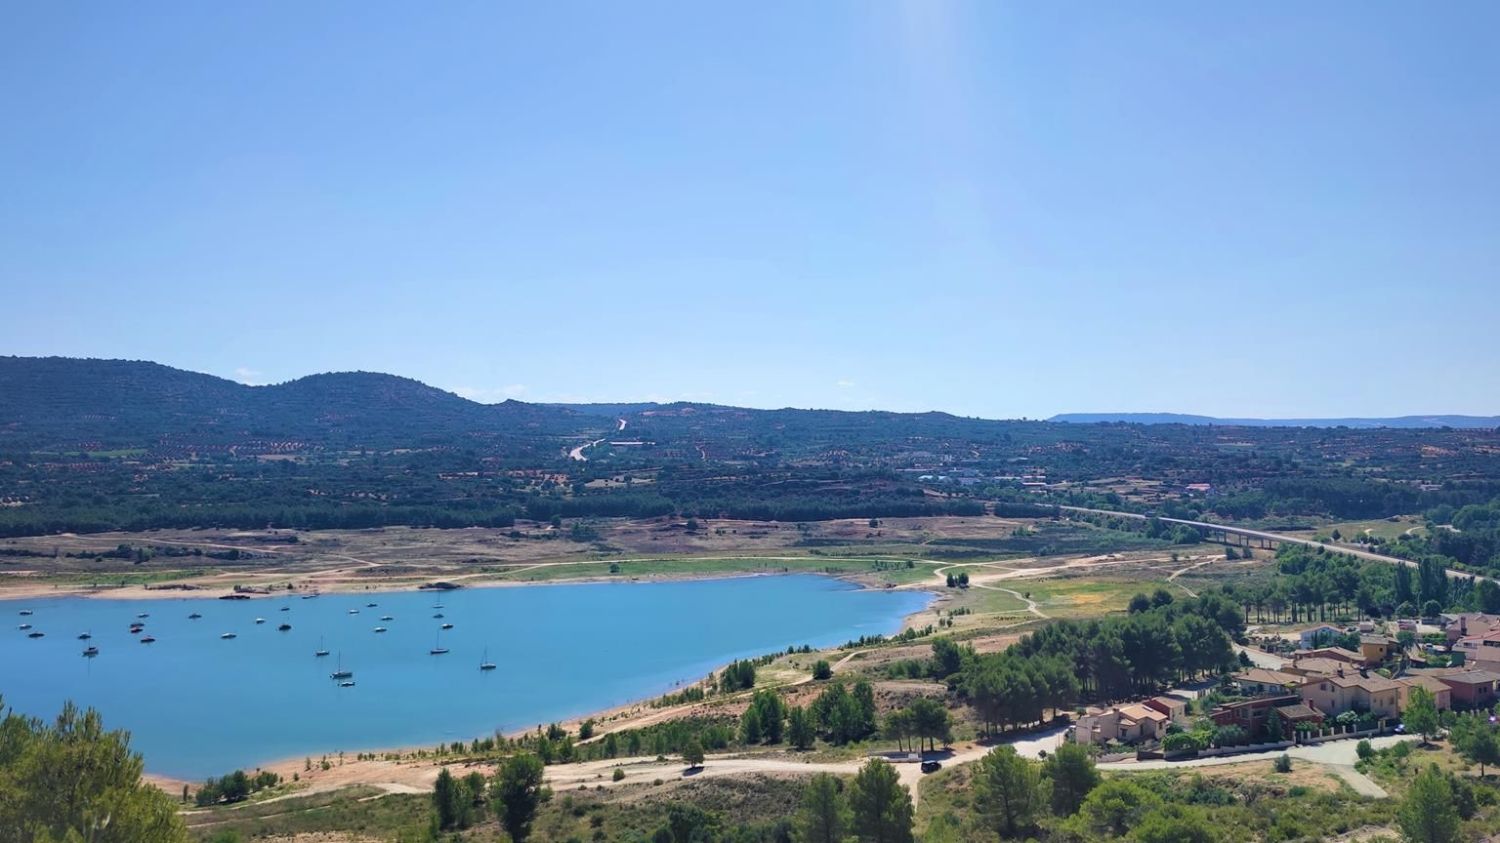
[(93, 445)]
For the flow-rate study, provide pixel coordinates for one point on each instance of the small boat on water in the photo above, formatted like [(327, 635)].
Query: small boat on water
[(286, 608), (386, 618), (90, 652), (320, 652), (24, 626), (144, 615), (35, 634), (194, 616), (84, 636), (380, 629), (309, 596), (437, 605), (148, 640), (447, 626), (437, 646), (25, 613), (348, 684), (369, 605), (284, 627), (438, 615), (353, 611), (260, 620), (228, 635), (339, 672), (486, 664)]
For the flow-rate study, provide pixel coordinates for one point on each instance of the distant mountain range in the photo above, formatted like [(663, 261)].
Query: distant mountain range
[(1182, 418), (47, 401), (125, 400)]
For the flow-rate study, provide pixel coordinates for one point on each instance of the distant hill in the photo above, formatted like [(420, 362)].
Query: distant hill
[(67, 404), (1405, 422), (69, 399), (607, 410)]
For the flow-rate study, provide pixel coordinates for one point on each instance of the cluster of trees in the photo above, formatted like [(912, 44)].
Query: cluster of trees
[(1161, 641), (875, 806), (73, 780), (738, 676), (513, 795), (764, 720), (842, 714), (1466, 537), (925, 723), (1316, 584), (234, 787)]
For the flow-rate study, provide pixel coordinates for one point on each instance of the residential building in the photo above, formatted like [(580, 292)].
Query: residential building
[(1465, 625), (1259, 681), (1251, 715), (1375, 648), (1173, 707), (1319, 667), (1335, 653), (1318, 636), (1481, 651), (1334, 695), (1124, 723), (1442, 694), (1470, 688)]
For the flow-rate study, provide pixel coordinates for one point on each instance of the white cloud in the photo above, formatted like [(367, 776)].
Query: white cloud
[(844, 383), (248, 376)]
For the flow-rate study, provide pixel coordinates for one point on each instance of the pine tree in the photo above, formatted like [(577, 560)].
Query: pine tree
[(823, 817), (1428, 814), (880, 805)]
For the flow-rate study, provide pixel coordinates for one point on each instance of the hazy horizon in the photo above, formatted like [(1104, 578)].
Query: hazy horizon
[(998, 211)]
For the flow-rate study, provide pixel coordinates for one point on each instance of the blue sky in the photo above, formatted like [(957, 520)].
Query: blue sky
[(996, 209)]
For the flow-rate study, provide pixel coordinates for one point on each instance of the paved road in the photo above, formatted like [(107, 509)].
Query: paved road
[(601, 773), (1338, 756), (1277, 537), (1260, 658)]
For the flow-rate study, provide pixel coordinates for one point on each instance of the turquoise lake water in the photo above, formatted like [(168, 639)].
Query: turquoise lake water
[(198, 705)]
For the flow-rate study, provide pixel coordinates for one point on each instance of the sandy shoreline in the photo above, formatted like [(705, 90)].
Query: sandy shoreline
[(286, 767)]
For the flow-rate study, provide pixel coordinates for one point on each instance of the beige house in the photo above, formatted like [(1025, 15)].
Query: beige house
[(1334, 695), (1376, 648), (1124, 723), (1442, 695), (1319, 666), (1258, 681)]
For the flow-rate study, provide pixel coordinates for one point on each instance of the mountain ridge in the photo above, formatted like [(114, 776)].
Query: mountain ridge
[(87, 399)]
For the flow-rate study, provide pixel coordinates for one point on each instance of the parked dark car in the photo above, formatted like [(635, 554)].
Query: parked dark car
[(931, 766)]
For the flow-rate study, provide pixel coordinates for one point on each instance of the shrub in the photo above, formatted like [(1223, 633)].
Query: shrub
[(1182, 741), (1283, 764), (1364, 750), (619, 774)]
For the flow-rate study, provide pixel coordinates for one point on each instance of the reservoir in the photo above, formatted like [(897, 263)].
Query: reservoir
[(222, 691)]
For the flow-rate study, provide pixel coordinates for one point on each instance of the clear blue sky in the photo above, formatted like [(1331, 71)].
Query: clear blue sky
[(997, 209)]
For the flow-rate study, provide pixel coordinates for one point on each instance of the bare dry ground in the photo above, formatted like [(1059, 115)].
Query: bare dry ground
[(400, 557)]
